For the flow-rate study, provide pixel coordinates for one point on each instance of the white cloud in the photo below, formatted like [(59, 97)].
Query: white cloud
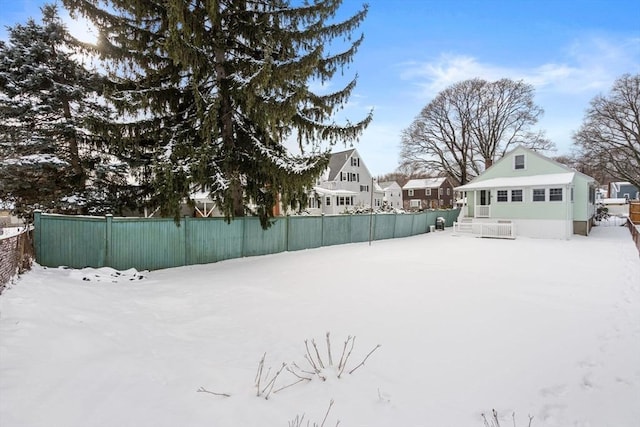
[(587, 65)]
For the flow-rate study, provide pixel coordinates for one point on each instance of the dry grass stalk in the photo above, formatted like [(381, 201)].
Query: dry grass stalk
[(495, 422), (203, 390), (298, 420)]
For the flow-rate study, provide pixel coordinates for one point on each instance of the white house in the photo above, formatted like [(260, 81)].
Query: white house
[(539, 196), (392, 194), (346, 185)]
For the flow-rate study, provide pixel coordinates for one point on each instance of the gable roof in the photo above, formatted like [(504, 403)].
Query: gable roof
[(337, 162), (386, 184), (540, 156), (521, 181), (414, 184)]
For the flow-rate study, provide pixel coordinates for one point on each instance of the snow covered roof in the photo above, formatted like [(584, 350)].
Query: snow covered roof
[(200, 196), (327, 192), (423, 183), (614, 201), (386, 184), (521, 181)]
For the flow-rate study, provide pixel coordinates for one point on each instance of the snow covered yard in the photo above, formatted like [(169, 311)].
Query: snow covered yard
[(543, 327)]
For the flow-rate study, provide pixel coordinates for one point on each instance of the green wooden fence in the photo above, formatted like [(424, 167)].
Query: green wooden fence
[(155, 243)]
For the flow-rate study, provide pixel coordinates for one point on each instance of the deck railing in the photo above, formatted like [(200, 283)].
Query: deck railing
[(483, 211), (496, 230)]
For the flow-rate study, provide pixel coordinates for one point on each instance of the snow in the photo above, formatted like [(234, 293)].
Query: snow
[(614, 201), (423, 183), (520, 181), (549, 328), (6, 232)]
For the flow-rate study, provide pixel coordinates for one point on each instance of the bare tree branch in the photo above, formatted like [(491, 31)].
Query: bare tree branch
[(610, 133), (469, 125)]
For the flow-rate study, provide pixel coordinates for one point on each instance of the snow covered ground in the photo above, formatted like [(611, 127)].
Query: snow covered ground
[(7, 232), (543, 327)]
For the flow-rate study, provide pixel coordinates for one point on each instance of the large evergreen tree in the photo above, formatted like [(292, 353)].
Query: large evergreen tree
[(213, 89), (50, 156)]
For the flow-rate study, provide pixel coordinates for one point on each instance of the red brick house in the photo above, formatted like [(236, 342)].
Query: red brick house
[(428, 193)]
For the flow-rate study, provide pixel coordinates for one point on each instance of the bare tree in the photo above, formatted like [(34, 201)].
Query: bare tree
[(471, 124), (609, 137)]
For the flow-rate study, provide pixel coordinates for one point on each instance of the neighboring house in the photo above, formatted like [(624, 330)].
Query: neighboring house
[(428, 193), (623, 190), (6, 218), (392, 194), (346, 185), (543, 198)]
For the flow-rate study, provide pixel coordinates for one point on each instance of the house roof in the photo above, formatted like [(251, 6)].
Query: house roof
[(337, 162), (521, 181), (386, 184), (326, 192), (413, 184)]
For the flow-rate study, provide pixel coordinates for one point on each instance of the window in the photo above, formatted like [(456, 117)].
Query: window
[(364, 188), (572, 194), (328, 201), (448, 191), (410, 192), (518, 161), (344, 201), (516, 195), (555, 194), (503, 196), (355, 161), (414, 203), (439, 191), (427, 192), (539, 195)]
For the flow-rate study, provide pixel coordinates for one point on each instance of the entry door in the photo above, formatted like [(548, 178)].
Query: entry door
[(485, 197)]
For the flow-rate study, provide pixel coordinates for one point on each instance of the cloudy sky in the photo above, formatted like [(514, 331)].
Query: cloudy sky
[(569, 50)]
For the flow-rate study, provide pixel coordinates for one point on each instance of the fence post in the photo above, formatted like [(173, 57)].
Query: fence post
[(244, 234), (395, 224), (286, 233), (187, 244), (322, 230), (37, 233), (107, 240)]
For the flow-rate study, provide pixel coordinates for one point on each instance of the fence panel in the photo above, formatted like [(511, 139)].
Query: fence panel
[(155, 243), (361, 226), (262, 242), (213, 239), (634, 212), (75, 242), (305, 232), (385, 225), (336, 230), (147, 245), (404, 225)]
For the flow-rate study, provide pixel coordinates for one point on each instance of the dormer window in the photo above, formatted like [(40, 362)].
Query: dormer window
[(518, 161)]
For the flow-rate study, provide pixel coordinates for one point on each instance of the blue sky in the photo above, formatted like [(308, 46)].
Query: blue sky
[(569, 50)]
